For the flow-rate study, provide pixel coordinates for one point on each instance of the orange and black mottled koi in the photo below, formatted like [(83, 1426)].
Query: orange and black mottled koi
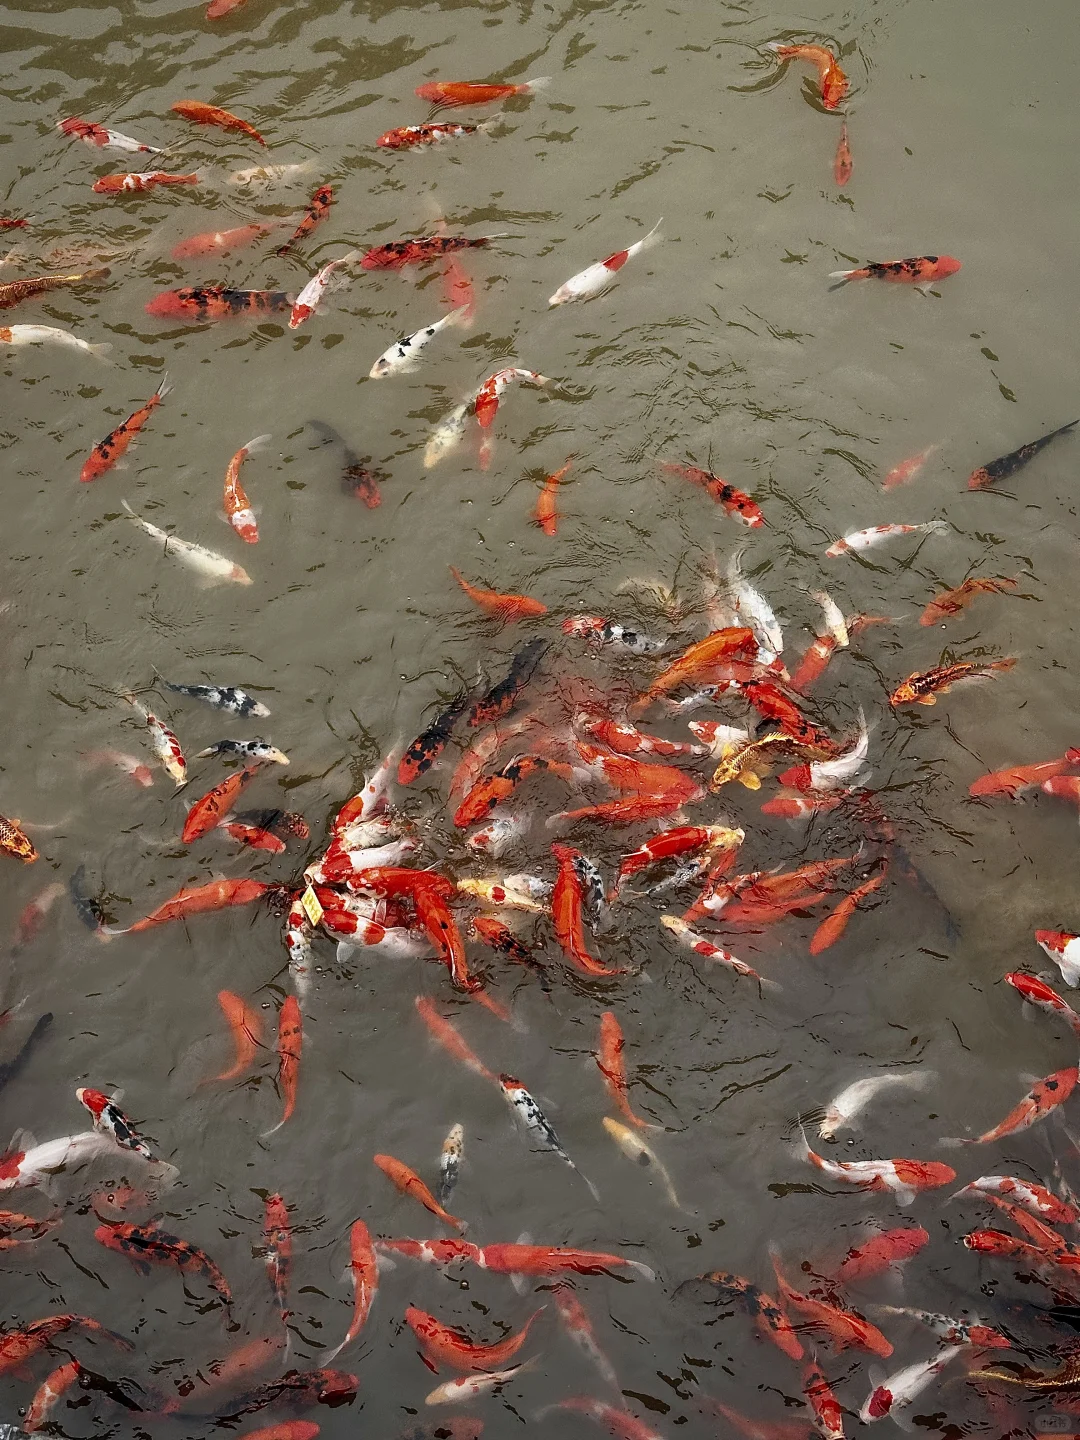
[(502, 698), (499, 937), (399, 253), (763, 1309), (1006, 465), (736, 502), (107, 452), (278, 822), (145, 1245), (216, 302), (317, 210), (7, 223), (924, 686), (430, 743), (14, 841), (487, 793), (296, 1389)]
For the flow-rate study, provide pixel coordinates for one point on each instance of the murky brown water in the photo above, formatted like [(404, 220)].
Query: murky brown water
[(724, 342)]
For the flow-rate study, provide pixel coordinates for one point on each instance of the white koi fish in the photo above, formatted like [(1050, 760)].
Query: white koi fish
[(835, 624), (641, 1153), (718, 737), (879, 534), (307, 302), (700, 946), (839, 1113), (163, 742), (403, 357), (500, 833), (36, 1164), (49, 335), (262, 177), (587, 283), (501, 893), (209, 564), (469, 1386), (900, 1389), (754, 610), (536, 1124), (447, 435)]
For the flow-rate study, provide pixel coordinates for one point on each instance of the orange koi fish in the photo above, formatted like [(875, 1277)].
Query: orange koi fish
[(217, 242), (628, 810), (486, 794), (215, 895), (468, 92), (14, 841), (435, 916), (318, 208), (19, 1346), (278, 1250), (409, 1183), (450, 1040), (458, 292), (506, 608), (828, 1416), (700, 658), (146, 180), (881, 1252), (238, 509), (16, 1229), (907, 469), (1043, 1097), (833, 926), (290, 1044), (16, 290), (1023, 777), (199, 113), (445, 1346), (681, 841), (843, 165), (844, 1329), (951, 602), (579, 1327), (51, 1390), (923, 687), (217, 9), (737, 504), (567, 912), (247, 1031), (364, 1268), (922, 270), (207, 811), (516, 1259), (609, 1059), (106, 452), (832, 80), (545, 513), (396, 254), (145, 1245)]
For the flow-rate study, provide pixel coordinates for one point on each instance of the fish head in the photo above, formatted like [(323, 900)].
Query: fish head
[(94, 1100), (169, 305), (241, 577), (946, 265)]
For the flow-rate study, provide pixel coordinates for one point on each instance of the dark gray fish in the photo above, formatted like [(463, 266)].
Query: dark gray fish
[(10, 1068), (246, 750), (86, 907), (356, 478), (1006, 465), (222, 697)]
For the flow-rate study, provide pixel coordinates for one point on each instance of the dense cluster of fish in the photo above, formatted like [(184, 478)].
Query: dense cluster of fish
[(671, 736)]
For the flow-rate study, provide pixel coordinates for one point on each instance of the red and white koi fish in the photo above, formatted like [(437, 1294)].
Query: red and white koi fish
[(277, 1253), (500, 833), (364, 1268), (626, 739), (517, 1259), (900, 1390), (162, 741), (922, 270), (700, 946), (218, 242), (801, 807), (683, 840), (880, 1253), (612, 1418), (238, 509), (1036, 992), (128, 763), (902, 1178), (717, 737), (469, 92), (297, 937), (596, 278), (908, 469), (51, 1390), (486, 402), (879, 534), (831, 79), (444, 1346), (307, 302), (844, 1329), (103, 139), (579, 1327), (409, 1183), (111, 1121), (468, 1387), (1017, 778), (831, 774), (1036, 1199), (828, 1417), (853, 1100), (1043, 1097), (290, 1043), (144, 180), (409, 137)]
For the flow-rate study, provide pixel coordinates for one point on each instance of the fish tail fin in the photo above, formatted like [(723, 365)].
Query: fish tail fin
[(330, 1355), (102, 351), (485, 127), (164, 388), (260, 442), (844, 276), (539, 82), (461, 317), (645, 1271), (937, 527), (653, 237), (129, 510), (1006, 664), (102, 272), (953, 1142), (771, 987)]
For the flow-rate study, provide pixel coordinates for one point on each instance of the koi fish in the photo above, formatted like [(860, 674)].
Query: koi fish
[(831, 79), (641, 1153), (32, 917), (444, 1346), (924, 686), (483, 797), (923, 270), (209, 564), (408, 137), (680, 841), (224, 697), (507, 608), (900, 1390), (1036, 1199), (752, 607), (307, 302), (952, 1332), (537, 1126), (197, 900), (140, 180), (364, 1269), (19, 1346), (139, 773), (398, 253), (49, 335), (289, 1046), (469, 92), (626, 739), (908, 469), (1066, 787), (599, 633), (504, 893), (833, 926), (219, 242), (111, 1120), (318, 208), (609, 1059), (207, 811), (403, 357), (880, 1253), (103, 139), (843, 165), (844, 1329), (15, 841), (1006, 465), (356, 479), (145, 1245), (596, 278), (503, 697), (277, 1253), (579, 1327), (879, 534), (1043, 1097), (545, 513), (770, 1320), (163, 742), (447, 435), (17, 290), (832, 774), (1066, 1378), (517, 1259), (450, 1163), (1036, 993), (262, 177), (47, 1396), (854, 1098), (828, 1417), (486, 401), (238, 509), (199, 113), (737, 504), (902, 1178), (435, 916), (449, 1038), (107, 452), (700, 946), (409, 1183), (216, 302), (458, 291), (1022, 777), (469, 1386), (34, 1166), (1063, 948), (296, 1388), (567, 913), (613, 1418), (951, 602)]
